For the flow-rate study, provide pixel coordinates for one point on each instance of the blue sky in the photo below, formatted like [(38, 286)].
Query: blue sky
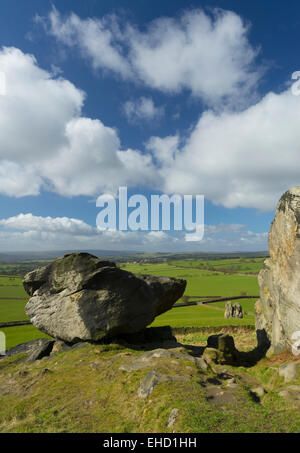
[(162, 97)]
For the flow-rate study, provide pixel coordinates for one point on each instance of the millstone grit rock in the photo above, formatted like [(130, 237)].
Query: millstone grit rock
[(80, 297), (278, 310), (235, 311)]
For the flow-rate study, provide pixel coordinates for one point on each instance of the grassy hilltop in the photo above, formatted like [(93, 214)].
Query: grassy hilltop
[(86, 390), (89, 389)]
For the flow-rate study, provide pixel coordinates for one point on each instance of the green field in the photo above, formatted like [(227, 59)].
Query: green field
[(242, 265), (199, 316), (205, 278), (13, 299), (21, 334), (202, 283), (12, 287), (12, 310)]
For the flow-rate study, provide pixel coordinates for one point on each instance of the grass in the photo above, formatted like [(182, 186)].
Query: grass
[(12, 310), (12, 287), (197, 316), (247, 304), (237, 265), (85, 391), (201, 282), (21, 334)]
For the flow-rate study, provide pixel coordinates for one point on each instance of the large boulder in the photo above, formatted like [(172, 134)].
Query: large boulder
[(278, 310), (80, 297)]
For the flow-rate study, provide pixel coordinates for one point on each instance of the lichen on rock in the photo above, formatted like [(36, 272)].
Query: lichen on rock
[(82, 298), (278, 310)]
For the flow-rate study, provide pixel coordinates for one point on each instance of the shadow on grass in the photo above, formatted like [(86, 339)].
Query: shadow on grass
[(250, 358), (162, 337)]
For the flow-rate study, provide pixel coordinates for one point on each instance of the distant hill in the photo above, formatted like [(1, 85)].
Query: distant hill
[(125, 255), (14, 257)]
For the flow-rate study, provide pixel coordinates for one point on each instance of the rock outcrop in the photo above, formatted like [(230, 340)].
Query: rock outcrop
[(221, 349), (278, 310), (82, 298), (235, 311), (228, 310), (35, 349)]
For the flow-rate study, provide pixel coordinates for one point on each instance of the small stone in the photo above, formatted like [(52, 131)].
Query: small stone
[(292, 393), (172, 418), (148, 384), (225, 347), (289, 371)]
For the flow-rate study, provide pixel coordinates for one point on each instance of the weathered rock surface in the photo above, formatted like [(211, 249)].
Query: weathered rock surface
[(289, 371), (82, 298), (40, 351), (228, 310), (147, 385), (278, 310), (291, 393), (172, 418), (221, 349), (153, 378), (235, 311), (35, 349), (147, 359)]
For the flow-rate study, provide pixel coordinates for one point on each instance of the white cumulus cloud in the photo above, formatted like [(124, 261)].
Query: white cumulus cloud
[(207, 54), (46, 143), (30, 232), (237, 159)]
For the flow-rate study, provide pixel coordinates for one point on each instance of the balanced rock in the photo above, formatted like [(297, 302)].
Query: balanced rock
[(80, 297), (278, 310)]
